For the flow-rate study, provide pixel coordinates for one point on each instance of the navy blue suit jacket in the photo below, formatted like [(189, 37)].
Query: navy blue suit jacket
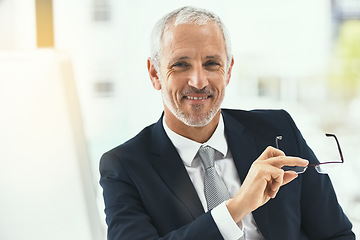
[(149, 195)]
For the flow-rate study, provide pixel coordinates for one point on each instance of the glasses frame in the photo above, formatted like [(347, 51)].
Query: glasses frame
[(289, 168)]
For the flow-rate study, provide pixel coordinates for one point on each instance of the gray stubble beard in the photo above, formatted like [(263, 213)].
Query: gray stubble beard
[(187, 119)]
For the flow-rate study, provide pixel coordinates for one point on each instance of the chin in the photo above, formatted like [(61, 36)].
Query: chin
[(196, 121)]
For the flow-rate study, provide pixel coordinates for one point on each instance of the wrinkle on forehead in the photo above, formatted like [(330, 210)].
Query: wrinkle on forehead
[(200, 29), (188, 38)]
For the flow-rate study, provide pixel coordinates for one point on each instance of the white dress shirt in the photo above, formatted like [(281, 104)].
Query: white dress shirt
[(225, 167)]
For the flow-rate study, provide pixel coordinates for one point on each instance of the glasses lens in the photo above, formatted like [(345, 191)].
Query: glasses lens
[(296, 169), (328, 168)]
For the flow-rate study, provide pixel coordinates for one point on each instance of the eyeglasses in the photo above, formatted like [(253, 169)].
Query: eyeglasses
[(323, 168)]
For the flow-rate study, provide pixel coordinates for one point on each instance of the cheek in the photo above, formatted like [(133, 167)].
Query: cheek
[(219, 80), (176, 81), (219, 74), (171, 87)]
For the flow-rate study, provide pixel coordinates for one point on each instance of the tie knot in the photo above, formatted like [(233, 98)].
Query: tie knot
[(207, 156)]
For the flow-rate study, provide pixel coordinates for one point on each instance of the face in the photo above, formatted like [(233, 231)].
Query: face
[(193, 73)]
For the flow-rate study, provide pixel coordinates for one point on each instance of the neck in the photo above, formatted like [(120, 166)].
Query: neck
[(197, 134)]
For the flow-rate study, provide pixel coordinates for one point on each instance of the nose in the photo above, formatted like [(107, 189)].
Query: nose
[(198, 78)]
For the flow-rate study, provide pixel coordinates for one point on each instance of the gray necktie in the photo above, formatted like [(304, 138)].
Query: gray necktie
[(215, 189)]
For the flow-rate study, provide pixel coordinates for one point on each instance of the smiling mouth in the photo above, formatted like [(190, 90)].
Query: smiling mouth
[(197, 98)]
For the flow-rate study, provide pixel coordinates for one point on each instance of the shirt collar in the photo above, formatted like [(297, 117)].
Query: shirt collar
[(188, 148)]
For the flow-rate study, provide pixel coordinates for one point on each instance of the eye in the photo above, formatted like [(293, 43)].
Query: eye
[(212, 65), (180, 65)]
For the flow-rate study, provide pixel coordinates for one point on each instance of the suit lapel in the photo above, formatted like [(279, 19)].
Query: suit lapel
[(243, 149), (170, 167), (241, 145)]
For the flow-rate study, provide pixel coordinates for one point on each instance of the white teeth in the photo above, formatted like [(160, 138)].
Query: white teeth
[(196, 98)]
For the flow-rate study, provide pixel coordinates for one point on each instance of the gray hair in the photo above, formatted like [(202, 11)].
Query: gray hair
[(182, 16)]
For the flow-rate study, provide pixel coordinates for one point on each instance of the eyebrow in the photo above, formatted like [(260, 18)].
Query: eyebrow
[(213, 57), (175, 59), (183, 58), (207, 57), (216, 56)]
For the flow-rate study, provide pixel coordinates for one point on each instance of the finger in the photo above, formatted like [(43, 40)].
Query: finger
[(274, 179), (289, 176), (271, 152), (283, 179), (279, 162), (274, 188), (277, 179), (277, 183), (271, 193)]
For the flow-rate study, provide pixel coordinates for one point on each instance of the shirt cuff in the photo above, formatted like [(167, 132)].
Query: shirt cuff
[(228, 228)]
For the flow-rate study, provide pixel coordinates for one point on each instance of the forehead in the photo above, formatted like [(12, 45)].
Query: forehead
[(192, 39)]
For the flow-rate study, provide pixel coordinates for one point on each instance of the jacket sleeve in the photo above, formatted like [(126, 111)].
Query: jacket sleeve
[(128, 218)]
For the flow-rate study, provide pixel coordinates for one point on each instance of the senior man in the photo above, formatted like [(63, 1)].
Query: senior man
[(202, 172)]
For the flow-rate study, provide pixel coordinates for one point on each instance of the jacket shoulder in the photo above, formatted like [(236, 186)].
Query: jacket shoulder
[(260, 117), (139, 145)]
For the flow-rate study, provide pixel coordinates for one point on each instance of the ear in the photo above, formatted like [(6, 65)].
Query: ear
[(153, 74), (229, 72)]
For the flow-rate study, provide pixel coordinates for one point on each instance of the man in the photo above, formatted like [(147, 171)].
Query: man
[(157, 185)]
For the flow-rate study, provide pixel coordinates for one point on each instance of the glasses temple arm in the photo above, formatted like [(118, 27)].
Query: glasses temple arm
[(338, 145)]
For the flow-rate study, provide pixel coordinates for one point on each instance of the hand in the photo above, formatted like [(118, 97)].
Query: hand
[(263, 181)]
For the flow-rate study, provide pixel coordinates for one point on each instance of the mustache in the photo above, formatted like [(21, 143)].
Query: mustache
[(192, 90)]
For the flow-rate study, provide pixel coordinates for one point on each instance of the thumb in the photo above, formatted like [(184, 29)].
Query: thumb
[(289, 176)]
